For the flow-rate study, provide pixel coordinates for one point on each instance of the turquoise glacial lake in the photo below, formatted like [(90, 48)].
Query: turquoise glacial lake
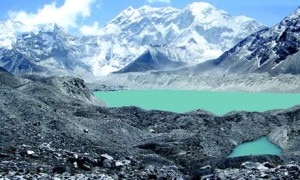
[(182, 101), (218, 103)]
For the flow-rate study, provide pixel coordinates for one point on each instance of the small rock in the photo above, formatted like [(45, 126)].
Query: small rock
[(75, 164), (294, 168), (207, 177), (126, 162), (36, 123), (86, 167), (66, 174), (119, 163), (181, 153), (107, 163), (12, 173), (58, 155), (265, 176), (151, 130), (206, 167), (268, 165), (76, 156), (29, 152), (106, 156), (86, 130), (40, 169)]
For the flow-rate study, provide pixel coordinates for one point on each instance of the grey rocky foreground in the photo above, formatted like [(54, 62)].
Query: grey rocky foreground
[(54, 128)]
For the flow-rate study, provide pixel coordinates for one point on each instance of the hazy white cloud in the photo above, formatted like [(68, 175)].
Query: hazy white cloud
[(161, 1), (65, 16), (95, 29), (91, 30)]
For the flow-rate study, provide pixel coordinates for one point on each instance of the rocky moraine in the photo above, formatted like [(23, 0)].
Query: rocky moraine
[(55, 128)]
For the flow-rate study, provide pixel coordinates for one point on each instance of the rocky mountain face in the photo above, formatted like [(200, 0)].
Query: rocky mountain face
[(274, 50), (194, 34), (54, 128), (152, 59)]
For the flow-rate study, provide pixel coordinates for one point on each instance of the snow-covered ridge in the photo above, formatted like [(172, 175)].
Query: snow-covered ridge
[(194, 34)]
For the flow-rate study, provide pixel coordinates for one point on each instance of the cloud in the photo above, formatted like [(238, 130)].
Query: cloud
[(65, 16), (161, 1), (95, 29), (91, 30)]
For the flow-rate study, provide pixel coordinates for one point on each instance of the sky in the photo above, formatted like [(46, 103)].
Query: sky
[(84, 14)]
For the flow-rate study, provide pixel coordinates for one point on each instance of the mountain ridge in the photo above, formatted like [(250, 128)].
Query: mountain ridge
[(125, 38)]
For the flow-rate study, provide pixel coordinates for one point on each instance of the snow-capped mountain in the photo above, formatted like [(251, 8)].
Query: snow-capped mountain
[(45, 50), (152, 59), (194, 34), (274, 50)]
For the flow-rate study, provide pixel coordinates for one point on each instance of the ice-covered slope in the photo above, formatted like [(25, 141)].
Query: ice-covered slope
[(274, 50)]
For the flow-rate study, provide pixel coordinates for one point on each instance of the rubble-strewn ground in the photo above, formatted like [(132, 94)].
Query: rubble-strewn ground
[(54, 128)]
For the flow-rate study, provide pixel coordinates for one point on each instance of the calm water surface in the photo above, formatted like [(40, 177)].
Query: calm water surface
[(180, 101), (260, 146)]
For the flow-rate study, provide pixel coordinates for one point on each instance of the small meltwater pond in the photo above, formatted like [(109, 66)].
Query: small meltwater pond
[(257, 147), (219, 103)]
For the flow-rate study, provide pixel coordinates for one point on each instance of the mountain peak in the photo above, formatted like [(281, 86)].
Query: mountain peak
[(291, 21), (146, 9), (130, 8), (296, 14)]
